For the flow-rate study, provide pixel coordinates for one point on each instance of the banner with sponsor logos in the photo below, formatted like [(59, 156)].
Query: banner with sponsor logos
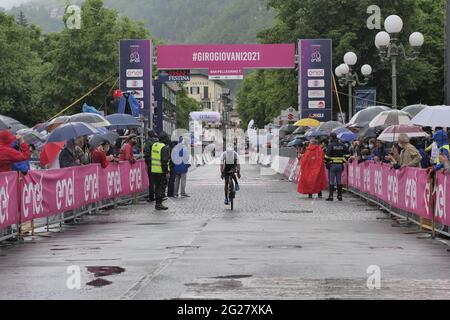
[(136, 72), (442, 199), (315, 79), (226, 60), (46, 193), (9, 199), (407, 189), (364, 98)]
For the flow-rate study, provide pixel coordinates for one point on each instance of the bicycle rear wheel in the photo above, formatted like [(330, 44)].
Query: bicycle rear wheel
[(231, 193)]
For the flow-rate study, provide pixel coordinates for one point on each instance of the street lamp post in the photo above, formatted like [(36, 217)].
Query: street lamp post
[(390, 48), (348, 77)]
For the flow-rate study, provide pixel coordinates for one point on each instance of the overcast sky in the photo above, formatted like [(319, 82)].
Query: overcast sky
[(9, 3)]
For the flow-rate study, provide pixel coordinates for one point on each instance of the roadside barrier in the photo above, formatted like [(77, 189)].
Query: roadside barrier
[(55, 196)]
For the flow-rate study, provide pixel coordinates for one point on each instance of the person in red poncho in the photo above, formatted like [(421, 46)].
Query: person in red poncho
[(9, 155), (313, 177)]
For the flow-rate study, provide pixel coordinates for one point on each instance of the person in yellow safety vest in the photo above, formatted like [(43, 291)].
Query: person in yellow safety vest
[(159, 167), (441, 139)]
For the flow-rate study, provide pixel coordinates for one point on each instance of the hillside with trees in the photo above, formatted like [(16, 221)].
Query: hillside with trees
[(181, 21)]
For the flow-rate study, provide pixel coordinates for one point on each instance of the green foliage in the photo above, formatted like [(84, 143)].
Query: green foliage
[(185, 105), (19, 61), (344, 21), (78, 60), (182, 21)]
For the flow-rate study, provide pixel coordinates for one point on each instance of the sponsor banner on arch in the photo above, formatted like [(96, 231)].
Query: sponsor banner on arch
[(220, 58), (46, 193), (9, 204)]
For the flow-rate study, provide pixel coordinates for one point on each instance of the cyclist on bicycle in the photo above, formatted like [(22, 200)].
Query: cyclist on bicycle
[(229, 167)]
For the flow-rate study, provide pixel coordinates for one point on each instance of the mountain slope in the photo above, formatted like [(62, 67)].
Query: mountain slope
[(175, 21)]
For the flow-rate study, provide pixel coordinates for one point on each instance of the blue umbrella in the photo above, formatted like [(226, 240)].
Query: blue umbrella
[(347, 136), (295, 143), (71, 130), (123, 121)]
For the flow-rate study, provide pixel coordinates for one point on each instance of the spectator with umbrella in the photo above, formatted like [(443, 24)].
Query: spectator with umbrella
[(49, 156), (440, 137), (409, 156), (100, 145), (126, 153), (9, 155), (67, 157), (99, 154)]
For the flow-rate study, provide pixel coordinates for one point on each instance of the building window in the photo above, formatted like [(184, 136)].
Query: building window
[(205, 92), (195, 91)]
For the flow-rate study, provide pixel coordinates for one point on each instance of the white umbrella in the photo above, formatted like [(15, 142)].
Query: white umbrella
[(437, 116), (95, 120), (390, 118), (391, 133)]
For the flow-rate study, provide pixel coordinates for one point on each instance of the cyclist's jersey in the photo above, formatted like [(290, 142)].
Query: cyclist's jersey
[(230, 159)]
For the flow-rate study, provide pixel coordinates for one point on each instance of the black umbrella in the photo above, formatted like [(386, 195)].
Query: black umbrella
[(8, 123), (110, 137), (371, 132), (367, 114)]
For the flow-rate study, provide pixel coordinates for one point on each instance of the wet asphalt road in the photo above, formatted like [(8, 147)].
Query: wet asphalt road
[(275, 245)]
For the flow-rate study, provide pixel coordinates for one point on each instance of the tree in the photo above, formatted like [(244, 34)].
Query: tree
[(22, 20), (19, 61), (344, 21), (80, 59), (185, 105)]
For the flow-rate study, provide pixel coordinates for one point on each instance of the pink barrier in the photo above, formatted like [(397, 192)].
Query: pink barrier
[(289, 167), (9, 199), (46, 193), (297, 173), (406, 189)]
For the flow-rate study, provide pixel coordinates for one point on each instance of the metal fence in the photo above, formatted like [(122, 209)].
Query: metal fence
[(16, 233)]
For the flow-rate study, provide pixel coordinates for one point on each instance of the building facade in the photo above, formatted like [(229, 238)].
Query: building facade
[(210, 93)]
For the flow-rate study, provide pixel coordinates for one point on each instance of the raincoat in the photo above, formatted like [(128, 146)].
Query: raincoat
[(8, 155), (313, 177)]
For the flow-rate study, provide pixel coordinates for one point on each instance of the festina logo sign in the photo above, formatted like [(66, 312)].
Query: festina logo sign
[(179, 75)]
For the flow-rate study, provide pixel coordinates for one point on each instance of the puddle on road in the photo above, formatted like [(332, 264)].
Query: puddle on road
[(102, 271), (99, 283)]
